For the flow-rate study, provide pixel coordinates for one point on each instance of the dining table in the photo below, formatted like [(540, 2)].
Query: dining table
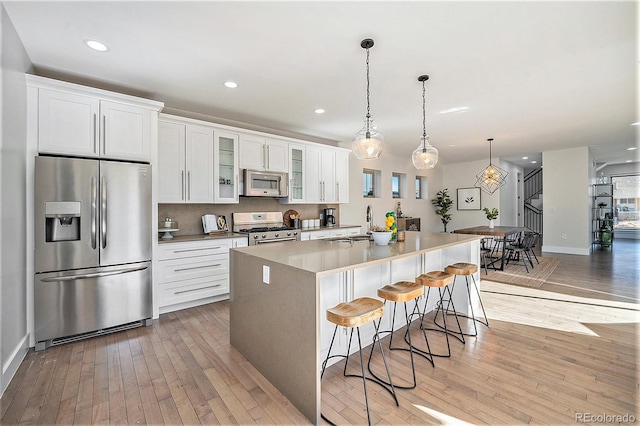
[(503, 232)]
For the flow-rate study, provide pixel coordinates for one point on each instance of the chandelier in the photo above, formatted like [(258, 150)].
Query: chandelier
[(367, 143), (492, 177), (425, 156)]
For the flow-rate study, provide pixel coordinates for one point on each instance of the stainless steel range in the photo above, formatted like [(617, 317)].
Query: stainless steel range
[(262, 228)]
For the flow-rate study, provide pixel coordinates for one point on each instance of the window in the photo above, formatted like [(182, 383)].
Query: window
[(397, 185), (368, 183), (421, 187)]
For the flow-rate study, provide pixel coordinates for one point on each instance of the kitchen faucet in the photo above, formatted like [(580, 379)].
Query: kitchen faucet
[(369, 219)]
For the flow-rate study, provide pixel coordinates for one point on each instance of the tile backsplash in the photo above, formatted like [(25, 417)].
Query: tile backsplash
[(189, 216)]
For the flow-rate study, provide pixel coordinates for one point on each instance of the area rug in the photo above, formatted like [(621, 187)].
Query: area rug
[(515, 273)]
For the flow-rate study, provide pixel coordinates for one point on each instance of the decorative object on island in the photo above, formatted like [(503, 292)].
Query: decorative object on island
[(367, 143), (381, 238), (492, 177), (443, 203), (468, 198), (491, 214), (390, 224), (425, 156)]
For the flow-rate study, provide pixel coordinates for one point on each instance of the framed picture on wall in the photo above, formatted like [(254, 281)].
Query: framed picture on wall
[(468, 199)]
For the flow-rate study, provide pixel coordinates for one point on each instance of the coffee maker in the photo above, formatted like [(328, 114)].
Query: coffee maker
[(329, 217)]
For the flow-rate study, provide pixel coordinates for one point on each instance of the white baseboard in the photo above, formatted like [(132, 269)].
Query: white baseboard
[(11, 365), (566, 250)]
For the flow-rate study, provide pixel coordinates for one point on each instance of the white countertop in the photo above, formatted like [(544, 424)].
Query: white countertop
[(326, 256)]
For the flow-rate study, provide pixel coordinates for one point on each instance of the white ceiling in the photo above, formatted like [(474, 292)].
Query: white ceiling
[(536, 76)]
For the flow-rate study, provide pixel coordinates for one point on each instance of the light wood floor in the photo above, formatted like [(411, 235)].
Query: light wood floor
[(568, 349)]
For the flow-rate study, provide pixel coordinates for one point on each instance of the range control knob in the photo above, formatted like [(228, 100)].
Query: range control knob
[(264, 235), (276, 235), (288, 234), (255, 237)]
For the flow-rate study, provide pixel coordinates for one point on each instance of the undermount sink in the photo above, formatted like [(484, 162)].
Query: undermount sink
[(351, 239)]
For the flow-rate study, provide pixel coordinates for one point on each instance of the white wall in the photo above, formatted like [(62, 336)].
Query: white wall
[(509, 195), (354, 213), (568, 174), (14, 62)]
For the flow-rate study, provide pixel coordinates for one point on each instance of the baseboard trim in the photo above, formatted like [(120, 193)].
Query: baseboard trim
[(10, 367), (566, 250)]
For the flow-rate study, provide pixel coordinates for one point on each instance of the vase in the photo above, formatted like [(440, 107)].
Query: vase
[(491, 223)]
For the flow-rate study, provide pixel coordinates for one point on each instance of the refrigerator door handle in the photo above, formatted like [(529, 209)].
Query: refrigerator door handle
[(103, 212), (93, 275), (94, 211)]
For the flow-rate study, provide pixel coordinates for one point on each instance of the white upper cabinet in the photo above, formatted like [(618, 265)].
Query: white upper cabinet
[(342, 176), (125, 131), (86, 122), (326, 175), (259, 153), (297, 171), (225, 167), (185, 163)]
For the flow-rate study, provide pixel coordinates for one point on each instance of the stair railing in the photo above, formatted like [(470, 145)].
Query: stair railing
[(532, 183)]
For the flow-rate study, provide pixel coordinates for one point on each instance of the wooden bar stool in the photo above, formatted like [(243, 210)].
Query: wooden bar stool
[(441, 281), (468, 270), (401, 292), (355, 314)]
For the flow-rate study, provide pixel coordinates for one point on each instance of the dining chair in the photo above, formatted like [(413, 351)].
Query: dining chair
[(522, 250)]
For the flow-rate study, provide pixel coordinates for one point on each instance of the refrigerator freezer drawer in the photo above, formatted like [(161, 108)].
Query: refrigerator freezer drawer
[(87, 300)]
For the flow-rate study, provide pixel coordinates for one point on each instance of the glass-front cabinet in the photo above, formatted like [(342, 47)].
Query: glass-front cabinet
[(225, 167), (296, 176)]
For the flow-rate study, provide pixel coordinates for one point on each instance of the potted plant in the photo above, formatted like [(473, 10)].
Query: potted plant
[(606, 230), (491, 214), (443, 204)]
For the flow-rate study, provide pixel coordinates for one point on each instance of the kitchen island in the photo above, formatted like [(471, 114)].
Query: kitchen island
[(279, 294)]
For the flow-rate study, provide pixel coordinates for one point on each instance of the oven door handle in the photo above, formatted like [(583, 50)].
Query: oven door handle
[(275, 241)]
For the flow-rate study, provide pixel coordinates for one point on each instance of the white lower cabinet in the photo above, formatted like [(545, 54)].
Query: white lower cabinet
[(193, 273)]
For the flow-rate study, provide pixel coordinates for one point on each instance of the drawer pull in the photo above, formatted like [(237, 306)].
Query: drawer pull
[(197, 249), (197, 289), (197, 267)]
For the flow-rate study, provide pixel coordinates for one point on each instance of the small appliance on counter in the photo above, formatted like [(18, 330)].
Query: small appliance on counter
[(167, 226), (329, 217)]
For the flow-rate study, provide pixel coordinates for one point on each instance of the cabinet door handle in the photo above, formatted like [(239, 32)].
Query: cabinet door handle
[(104, 134), (338, 191), (197, 267), (196, 289), (196, 249), (95, 133), (268, 159), (189, 185), (182, 186)]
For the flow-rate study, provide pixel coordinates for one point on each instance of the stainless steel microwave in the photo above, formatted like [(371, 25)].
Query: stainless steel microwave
[(265, 184)]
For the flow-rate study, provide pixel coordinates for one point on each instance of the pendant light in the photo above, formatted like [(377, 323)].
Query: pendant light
[(492, 177), (425, 156), (367, 143)]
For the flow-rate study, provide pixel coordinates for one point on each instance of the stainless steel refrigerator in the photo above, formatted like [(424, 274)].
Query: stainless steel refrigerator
[(93, 248)]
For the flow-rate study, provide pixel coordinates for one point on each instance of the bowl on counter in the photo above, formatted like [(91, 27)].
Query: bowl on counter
[(381, 238)]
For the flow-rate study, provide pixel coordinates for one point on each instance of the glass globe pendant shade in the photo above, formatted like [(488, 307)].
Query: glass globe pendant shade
[(425, 155), (367, 144)]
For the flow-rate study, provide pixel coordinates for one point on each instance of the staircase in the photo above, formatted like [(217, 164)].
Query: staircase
[(533, 200)]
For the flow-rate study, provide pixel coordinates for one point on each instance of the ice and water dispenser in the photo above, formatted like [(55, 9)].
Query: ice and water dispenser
[(62, 220)]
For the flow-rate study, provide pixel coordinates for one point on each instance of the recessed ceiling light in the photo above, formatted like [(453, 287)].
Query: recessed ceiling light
[(452, 146), (230, 84), (525, 158), (633, 148), (534, 162), (636, 123), (628, 161), (97, 45), (455, 109), (319, 111)]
